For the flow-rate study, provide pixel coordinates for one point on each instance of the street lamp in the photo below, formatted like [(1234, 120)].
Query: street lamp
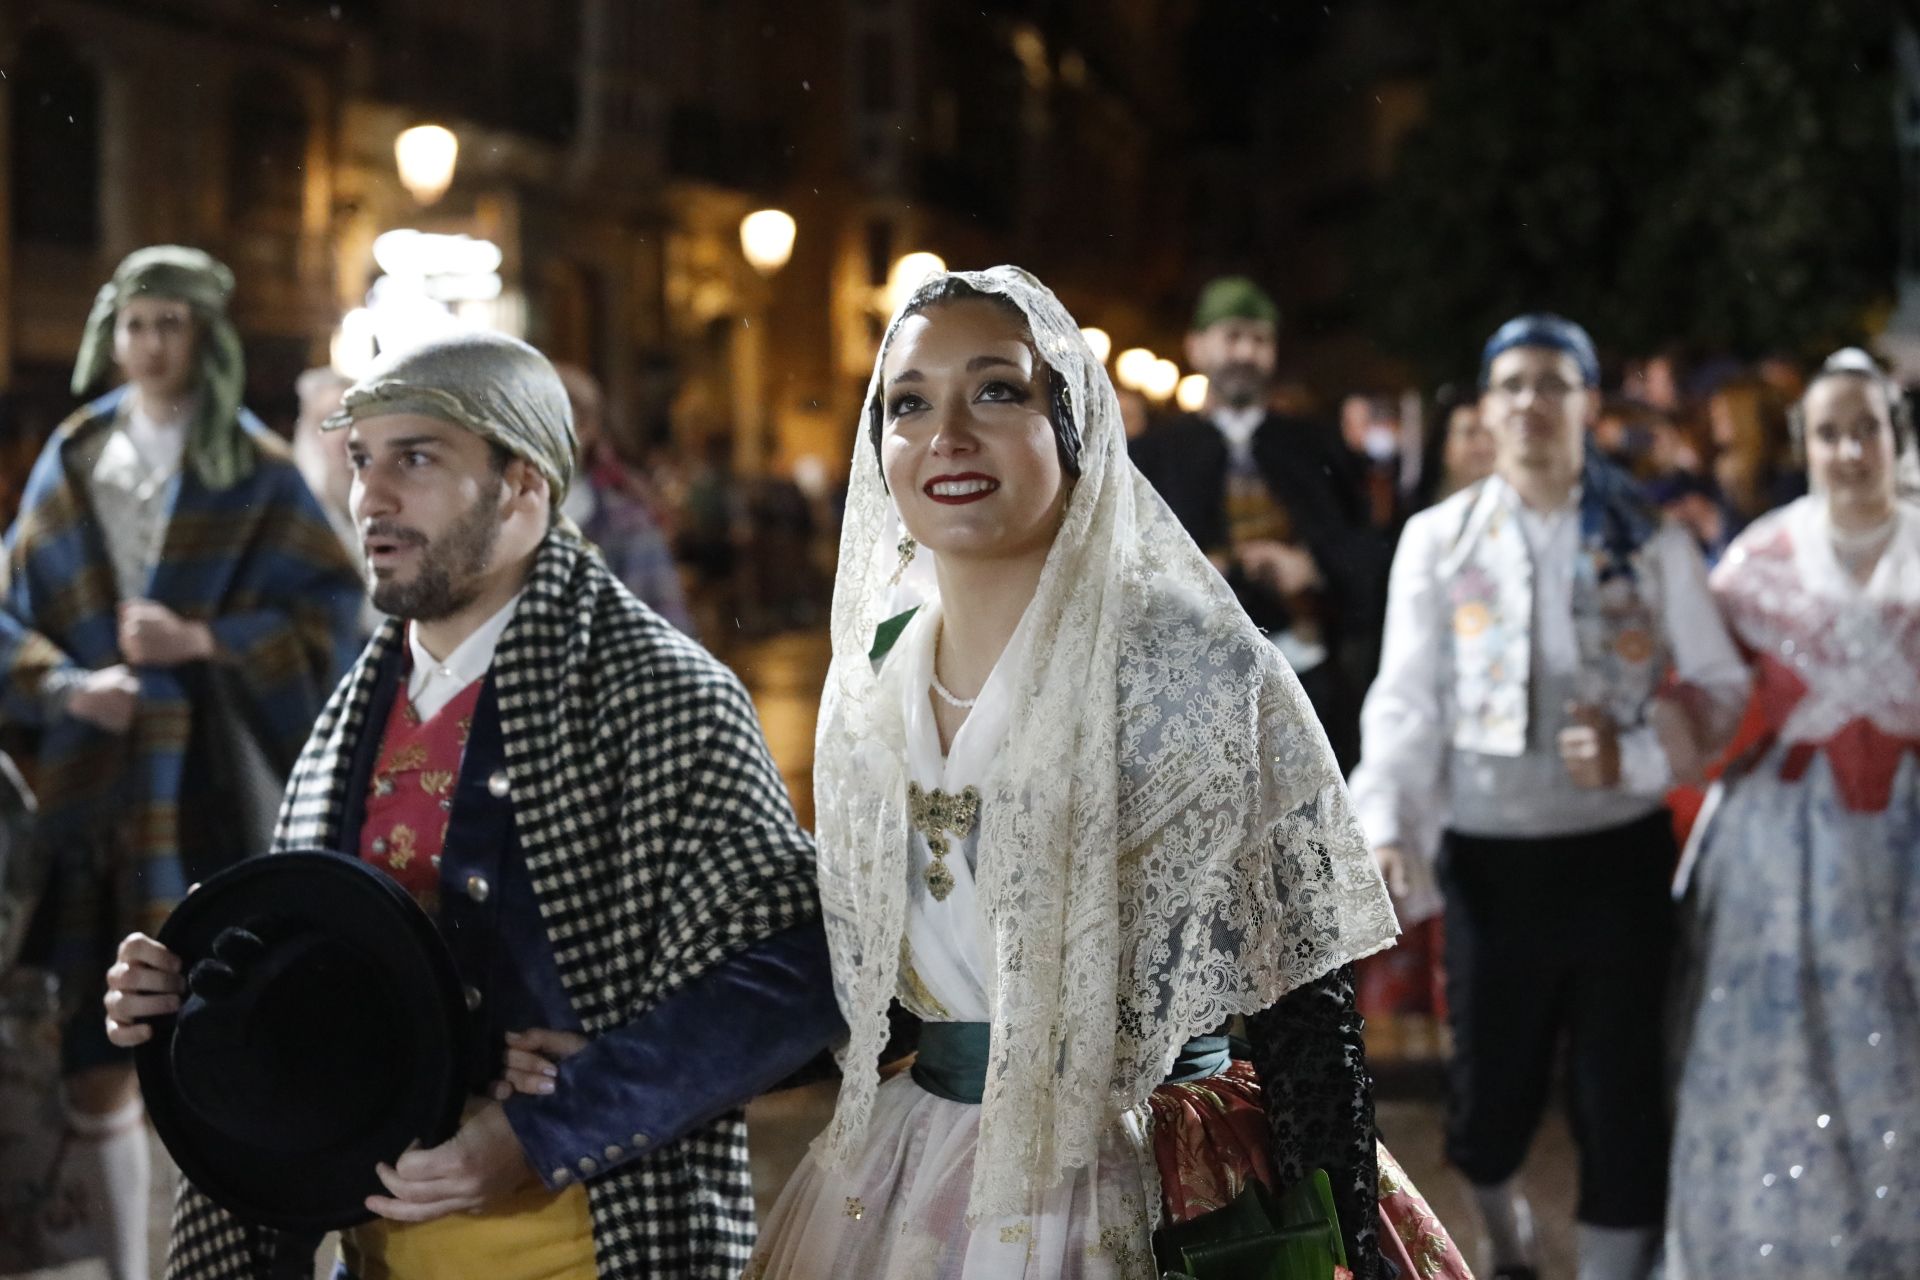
[(1097, 339), (426, 154), (1161, 379), (908, 274), (1133, 367), (1191, 394), (766, 238)]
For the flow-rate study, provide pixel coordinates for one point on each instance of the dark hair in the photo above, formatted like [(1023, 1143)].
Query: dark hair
[(1448, 400), (1066, 429)]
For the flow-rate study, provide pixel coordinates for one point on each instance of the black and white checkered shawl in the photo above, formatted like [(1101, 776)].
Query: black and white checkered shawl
[(661, 841)]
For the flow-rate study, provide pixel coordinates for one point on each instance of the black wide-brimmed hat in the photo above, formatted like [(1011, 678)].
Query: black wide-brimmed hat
[(321, 1033)]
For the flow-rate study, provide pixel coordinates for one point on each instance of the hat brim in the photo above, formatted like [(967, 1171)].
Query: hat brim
[(363, 908)]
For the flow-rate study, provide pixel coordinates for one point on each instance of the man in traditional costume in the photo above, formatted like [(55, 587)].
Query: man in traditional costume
[(176, 609), (1277, 503), (582, 798), (1531, 619)]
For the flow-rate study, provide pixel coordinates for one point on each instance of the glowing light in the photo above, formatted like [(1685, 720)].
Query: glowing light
[(351, 350), (909, 273), (766, 238), (1100, 341), (407, 252), (1191, 394), (1133, 367), (1161, 380), (426, 155)]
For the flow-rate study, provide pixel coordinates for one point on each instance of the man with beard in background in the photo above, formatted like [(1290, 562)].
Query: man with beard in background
[(1278, 504)]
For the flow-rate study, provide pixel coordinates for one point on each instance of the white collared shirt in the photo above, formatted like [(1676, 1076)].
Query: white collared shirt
[(1238, 426), (1402, 792), (161, 444), (130, 483), (434, 682)]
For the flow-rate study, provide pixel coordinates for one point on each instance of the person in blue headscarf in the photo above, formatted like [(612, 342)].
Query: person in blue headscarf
[(1522, 733)]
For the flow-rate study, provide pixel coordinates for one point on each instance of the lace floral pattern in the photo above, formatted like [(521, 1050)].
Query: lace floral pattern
[(1165, 837), (1853, 648)]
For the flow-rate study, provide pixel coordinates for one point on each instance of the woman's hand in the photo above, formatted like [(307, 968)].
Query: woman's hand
[(533, 1058)]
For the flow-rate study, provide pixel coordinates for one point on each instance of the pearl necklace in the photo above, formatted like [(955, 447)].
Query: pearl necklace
[(947, 696)]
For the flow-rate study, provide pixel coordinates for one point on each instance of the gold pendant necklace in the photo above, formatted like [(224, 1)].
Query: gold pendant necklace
[(937, 815)]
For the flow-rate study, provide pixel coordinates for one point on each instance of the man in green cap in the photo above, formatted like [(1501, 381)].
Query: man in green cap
[(1277, 503), (175, 610)]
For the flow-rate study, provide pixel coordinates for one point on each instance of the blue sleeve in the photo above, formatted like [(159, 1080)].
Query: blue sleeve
[(717, 1042)]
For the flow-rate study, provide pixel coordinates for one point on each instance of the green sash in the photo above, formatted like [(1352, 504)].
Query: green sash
[(1259, 1236)]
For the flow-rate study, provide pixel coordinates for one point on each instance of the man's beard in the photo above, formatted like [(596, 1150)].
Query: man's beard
[(1239, 385), (447, 580)]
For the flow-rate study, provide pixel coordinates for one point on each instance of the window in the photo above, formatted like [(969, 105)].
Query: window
[(56, 144), (267, 166)]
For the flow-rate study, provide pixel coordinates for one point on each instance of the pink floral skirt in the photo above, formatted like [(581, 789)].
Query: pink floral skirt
[(1210, 1139)]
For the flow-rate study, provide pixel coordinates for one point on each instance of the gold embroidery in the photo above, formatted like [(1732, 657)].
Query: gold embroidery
[(407, 758), (1016, 1233), (918, 998), (855, 1209), (436, 782), (466, 727), (1123, 1245), (401, 846), (936, 815)]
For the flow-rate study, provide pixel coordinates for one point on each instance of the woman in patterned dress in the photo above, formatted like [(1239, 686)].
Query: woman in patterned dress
[(1075, 816), (1799, 1106)]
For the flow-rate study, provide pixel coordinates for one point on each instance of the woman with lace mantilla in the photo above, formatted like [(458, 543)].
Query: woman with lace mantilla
[(1075, 816)]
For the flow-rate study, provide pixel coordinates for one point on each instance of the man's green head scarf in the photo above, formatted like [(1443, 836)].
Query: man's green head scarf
[(217, 446), (1233, 298), (495, 386)]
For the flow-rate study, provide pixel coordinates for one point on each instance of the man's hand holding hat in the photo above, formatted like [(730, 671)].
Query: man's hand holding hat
[(145, 982)]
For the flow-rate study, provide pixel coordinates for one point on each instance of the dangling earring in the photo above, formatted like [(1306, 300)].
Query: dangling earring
[(907, 547)]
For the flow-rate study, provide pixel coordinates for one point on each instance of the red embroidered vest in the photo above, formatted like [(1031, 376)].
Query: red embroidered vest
[(410, 794)]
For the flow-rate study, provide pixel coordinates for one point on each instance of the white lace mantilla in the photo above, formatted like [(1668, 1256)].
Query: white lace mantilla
[(1165, 838)]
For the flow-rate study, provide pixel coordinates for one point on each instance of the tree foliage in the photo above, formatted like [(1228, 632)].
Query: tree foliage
[(1718, 173)]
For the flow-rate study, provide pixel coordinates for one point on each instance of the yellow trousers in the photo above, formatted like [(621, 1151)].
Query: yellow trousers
[(533, 1234)]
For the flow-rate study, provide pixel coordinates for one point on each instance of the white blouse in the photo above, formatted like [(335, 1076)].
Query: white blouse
[(1410, 782), (948, 955)]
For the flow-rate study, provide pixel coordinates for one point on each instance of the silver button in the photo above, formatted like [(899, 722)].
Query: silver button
[(473, 998), (612, 1153), (640, 1141), (561, 1176), (478, 888), (380, 845), (587, 1165), (497, 785), (446, 806)]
